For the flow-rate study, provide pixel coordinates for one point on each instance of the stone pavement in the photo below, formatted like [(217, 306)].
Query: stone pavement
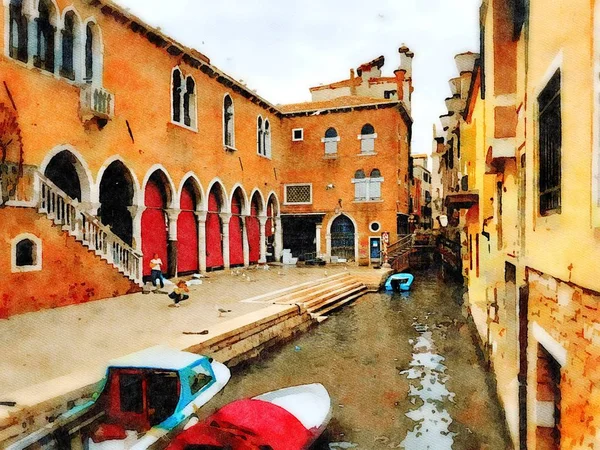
[(40, 346)]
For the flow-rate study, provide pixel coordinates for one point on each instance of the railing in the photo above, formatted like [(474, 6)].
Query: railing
[(96, 101), (398, 253), (86, 228)]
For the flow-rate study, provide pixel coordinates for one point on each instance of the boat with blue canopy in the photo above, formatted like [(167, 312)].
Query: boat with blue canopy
[(399, 282)]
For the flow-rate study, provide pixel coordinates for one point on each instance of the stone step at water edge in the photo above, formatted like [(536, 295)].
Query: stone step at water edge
[(305, 295), (323, 312), (316, 306), (272, 297), (315, 301)]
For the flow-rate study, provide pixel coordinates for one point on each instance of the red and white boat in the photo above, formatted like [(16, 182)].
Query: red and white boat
[(286, 419)]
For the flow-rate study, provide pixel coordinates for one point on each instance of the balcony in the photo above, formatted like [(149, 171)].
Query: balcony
[(96, 102)]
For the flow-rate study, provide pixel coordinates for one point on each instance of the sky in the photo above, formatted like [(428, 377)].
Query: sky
[(280, 48)]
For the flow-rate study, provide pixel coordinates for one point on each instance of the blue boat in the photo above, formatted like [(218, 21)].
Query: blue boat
[(144, 398), (399, 282)]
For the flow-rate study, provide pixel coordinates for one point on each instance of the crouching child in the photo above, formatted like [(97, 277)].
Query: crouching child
[(179, 293)]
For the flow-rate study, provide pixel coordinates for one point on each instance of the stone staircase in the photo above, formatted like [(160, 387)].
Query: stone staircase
[(68, 214), (320, 297), (399, 253)]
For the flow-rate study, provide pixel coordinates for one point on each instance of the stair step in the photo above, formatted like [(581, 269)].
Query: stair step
[(325, 303), (314, 303), (289, 298), (340, 304)]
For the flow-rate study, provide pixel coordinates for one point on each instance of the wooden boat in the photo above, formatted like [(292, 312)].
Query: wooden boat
[(399, 282), (286, 419), (144, 397)]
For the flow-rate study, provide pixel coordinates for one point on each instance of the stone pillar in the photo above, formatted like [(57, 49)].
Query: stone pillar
[(172, 215), (245, 243), (225, 218), (201, 218), (278, 239), (327, 247), (318, 228), (263, 239), (136, 226)]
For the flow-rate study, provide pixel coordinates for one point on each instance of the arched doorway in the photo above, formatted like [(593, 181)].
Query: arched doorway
[(116, 196), (253, 228), (343, 238), (64, 171), (154, 221), (214, 242), (187, 229), (270, 228), (236, 230)]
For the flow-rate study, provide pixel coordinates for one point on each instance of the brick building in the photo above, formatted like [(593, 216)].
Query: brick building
[(113, 152)]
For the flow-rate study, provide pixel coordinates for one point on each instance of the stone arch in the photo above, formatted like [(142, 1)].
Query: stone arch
[(190, 201), (216, 205), (256, 208), (238, 207), (342, 237), (67, 169)]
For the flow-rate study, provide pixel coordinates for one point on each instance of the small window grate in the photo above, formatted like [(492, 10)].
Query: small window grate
[(299, 193)]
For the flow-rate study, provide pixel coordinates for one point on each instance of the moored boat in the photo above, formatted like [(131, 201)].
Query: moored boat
[(144, 397), (399, 282), (287, 419)]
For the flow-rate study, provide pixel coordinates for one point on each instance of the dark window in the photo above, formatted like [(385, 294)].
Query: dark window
[(130, 393), (331, 133), (375, 173), (267, 139), (259, 135), (520, 12), (89, 52), (68, 44), (389, 94), (198, 381), (367, 129), (298, 134), (359, 174), (451, 154), (18, 31), (162, 391), (25, 253), (176, 96), (45, 37), (188, 100), (228, 121), (550, 141)]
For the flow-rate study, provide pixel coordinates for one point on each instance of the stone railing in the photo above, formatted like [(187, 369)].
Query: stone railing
[(88, 230)]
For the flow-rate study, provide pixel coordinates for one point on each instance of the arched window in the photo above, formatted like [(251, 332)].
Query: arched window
[(367, 139), (26, 253), (331, 141), (189, 103), (367, 189), (18, 41), (176, 95), (67, 68), (46, 30), (93, 54), (259, 136), (267, 139), (228, 123)]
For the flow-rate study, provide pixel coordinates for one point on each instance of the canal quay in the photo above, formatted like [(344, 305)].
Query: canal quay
[(402, 369)]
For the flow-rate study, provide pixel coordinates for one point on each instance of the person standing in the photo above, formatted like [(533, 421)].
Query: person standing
[(156, 271)]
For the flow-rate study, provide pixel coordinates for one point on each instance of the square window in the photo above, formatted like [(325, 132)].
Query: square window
[(298, 134)]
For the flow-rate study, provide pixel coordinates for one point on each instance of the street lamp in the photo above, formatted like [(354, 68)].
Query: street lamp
[(443, 220)]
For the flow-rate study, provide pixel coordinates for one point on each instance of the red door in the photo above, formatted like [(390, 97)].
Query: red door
[(154, 226), (253, 227), (236, 236), (187, 233), (214, 248)]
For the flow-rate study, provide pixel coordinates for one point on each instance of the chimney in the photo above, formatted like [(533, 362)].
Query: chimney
[(352, 82), (404, 76)]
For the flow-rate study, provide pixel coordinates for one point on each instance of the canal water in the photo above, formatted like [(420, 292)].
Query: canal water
[(402, 371)]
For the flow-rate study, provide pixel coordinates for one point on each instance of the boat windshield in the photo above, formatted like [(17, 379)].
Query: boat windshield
[(162, 391)]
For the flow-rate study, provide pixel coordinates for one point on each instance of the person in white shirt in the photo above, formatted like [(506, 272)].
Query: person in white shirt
[(156, 270)]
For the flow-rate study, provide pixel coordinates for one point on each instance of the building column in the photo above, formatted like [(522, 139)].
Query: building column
[(278, 239), (136, 226), (172, 215), (318, 228), (225, 219), (327, 247), (263, 239), (201, 218), (245, 243)]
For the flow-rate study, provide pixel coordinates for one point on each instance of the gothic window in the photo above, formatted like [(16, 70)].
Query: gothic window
[(176, 95), (367, 188), (267, 139), (89, 52), (228, 122), (259, 135), (189, 103), (17, 46), (46, 30), (67, 68)]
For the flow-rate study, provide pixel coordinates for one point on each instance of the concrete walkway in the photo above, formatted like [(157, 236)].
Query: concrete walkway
[(44, 345)]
